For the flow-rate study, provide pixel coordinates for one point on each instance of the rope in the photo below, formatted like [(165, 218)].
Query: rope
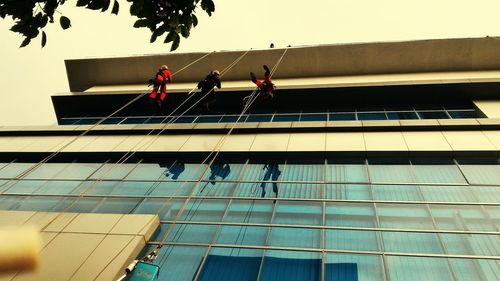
[(216, 150)]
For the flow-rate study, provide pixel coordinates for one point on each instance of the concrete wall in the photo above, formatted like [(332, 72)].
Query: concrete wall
[(395, 141), (491, 108), (467, 54), (82, 247)]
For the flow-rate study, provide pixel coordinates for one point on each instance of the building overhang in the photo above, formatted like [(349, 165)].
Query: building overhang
[(346, 62)]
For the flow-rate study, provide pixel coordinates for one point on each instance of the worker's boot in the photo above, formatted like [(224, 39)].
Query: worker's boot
[(252, 75), (266, 68)]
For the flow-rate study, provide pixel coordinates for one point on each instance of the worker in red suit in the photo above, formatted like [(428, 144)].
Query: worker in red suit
[(160, 81), (266, 87)]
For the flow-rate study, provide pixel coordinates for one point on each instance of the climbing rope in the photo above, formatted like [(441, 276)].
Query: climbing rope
[(216, 151)]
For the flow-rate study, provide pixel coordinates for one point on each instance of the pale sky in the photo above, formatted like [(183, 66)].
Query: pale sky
[(29, 76)]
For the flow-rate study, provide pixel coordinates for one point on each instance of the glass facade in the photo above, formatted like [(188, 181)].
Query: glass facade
[(285, 218), (410, 112)]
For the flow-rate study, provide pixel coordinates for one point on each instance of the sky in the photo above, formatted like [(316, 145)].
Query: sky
[(30, 75)]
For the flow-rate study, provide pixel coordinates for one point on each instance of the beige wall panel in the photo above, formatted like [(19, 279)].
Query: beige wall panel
[(317, 124), (63, 256), (468, 140), (352, 123), (210, 126), (99, 259), (307, 142), (117, 266), (16, 144), (275, 124), (8, 218), (457, 122), (249, 125), (426, 141), (380, 123), (270, 142), (61, 221), (427, 122), (345, 142), (385, 141), (79, 143), (136, 225), (41, 219), (104, 143), (46, 144), (168, 143), (488, 121), (491, 108), (201, 143), (238, 142), (93, 223), (493, 137), (139, 143)]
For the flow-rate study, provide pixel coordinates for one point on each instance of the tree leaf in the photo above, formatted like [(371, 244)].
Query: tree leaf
[(116, 7), (170, 37), (105, 5), (26, 41), (195, 21), (65, 22), (44, 38), (176, 43), (185, 31), (141, 23)]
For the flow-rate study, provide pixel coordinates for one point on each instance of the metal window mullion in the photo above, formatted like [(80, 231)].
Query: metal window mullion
[(377, 221), (483, 210), (268, 237), (323, 231), (434, 224)]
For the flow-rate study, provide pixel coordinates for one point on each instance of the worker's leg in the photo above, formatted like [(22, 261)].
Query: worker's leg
[(163, 91)]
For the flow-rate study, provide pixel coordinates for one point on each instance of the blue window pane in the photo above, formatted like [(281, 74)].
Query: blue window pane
[(185, 119), (155, 120), (408, 242), (286, 117), (481, 174), (232, 264), (353, 240), (464, 217), (313, 117), (354, 267), (113, 120), (433, 115), (209, 210), (404, 216), (208, 119), (372, 116), (291, 266), (293, 190), (447, 193), (348, 192), (232, 118), (463, 114), (173, 188), (303, 172), (87, 121), (191, 233), (259, 118), (438, 174), (397, 192), (289, 212), (250, 211), (295, 237), (243, 235), (418, 268), (342, 116), (177, 263), (67, 121), (347, 173), (402, 115), (113, 171), (114, 205), (14, 169), (135, 120), (348, 214)]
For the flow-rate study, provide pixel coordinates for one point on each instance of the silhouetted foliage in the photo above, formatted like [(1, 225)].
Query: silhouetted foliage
[(169, 18)]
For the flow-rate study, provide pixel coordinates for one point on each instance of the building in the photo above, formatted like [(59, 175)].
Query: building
[(374, 161)]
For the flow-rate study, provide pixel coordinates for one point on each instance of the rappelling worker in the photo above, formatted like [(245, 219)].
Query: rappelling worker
[(266, 88), (207, 87), (160, 81)]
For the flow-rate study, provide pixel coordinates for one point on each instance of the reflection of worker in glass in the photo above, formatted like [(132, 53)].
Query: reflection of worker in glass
[(272, 172), (175, 170), (219, 170)]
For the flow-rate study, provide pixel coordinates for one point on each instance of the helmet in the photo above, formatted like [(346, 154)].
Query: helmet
[(216, 72), (163, 67)]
